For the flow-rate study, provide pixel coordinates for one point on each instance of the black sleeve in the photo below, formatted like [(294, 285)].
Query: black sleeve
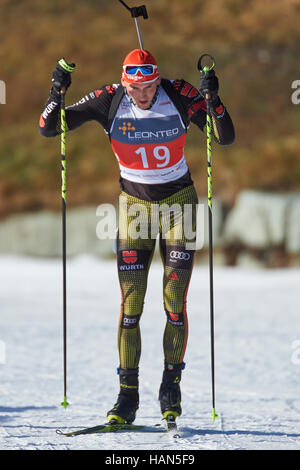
[(223, 128), (196, 109), (92, 107)]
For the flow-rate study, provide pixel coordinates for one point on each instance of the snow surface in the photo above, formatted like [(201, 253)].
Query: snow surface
[(257, 345)]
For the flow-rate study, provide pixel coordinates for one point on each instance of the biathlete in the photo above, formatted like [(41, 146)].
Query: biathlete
[(146, 118)]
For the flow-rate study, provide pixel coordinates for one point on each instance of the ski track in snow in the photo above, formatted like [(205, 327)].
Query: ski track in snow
[(257, 376)]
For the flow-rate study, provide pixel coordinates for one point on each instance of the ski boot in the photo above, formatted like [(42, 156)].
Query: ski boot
[(169, 393), (124, 410)]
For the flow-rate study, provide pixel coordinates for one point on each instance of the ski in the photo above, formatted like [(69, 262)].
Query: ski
[(115, 427)]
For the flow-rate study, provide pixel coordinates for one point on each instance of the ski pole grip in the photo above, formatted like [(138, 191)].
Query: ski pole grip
[(66, 66), (205, 69), (136, 11), (139, 11)]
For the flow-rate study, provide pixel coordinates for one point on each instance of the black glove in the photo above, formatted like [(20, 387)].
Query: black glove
[(61, 79), (209, 84)]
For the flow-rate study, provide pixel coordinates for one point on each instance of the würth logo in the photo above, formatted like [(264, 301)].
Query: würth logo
[(129, 257), (2, 92), (174, 316), (175, 319)]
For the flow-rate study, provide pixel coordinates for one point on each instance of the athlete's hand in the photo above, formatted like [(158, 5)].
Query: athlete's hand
[(61, 79), (209, 85)]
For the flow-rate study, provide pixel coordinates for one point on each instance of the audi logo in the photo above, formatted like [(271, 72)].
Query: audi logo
[(180, 255), (130, 321)]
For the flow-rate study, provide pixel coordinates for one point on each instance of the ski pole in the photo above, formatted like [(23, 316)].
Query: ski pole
[(68, 68), (135, 13), (205, 70)]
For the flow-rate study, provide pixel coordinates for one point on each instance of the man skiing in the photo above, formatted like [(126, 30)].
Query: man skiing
[(146, 118)]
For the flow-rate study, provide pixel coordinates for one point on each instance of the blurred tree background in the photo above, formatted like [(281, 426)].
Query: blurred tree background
[(256, 47)]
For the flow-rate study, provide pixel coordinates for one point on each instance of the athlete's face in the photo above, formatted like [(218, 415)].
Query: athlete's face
[(142, 94)]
